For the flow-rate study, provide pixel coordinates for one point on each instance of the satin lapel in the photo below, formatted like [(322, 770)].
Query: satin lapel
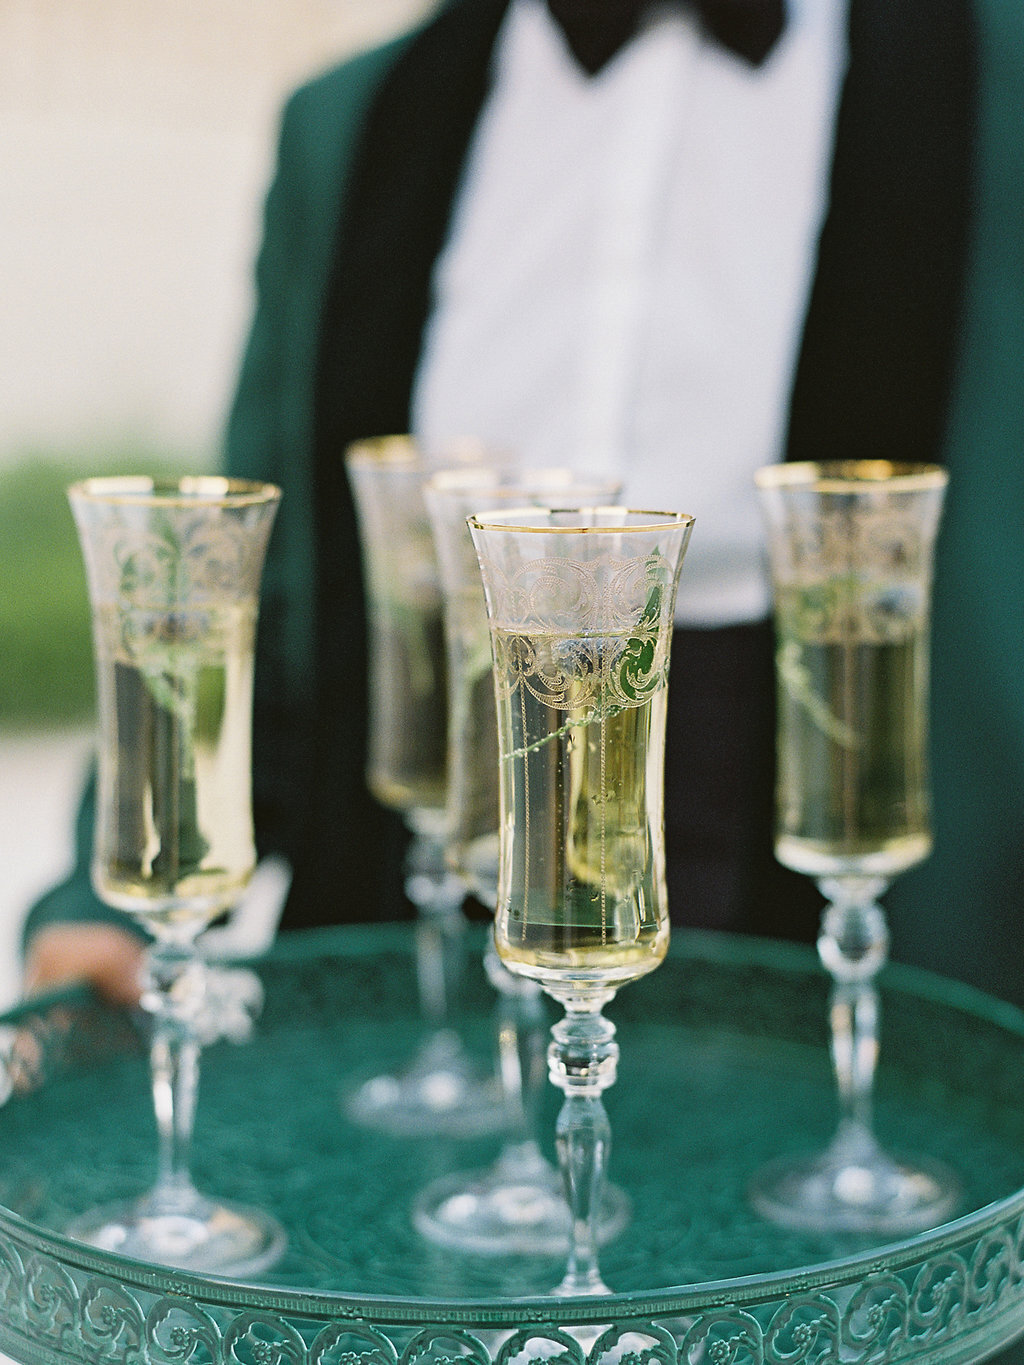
[(395, 218), (880, 339), (398, 197)]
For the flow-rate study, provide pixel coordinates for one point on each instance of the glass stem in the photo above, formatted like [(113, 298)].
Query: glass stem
[(437, 894), (521, 1029), (582, 1059), (173, 993), (853, 946)]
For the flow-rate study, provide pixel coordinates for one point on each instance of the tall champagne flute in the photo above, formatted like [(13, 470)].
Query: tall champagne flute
[(580, 606), (516, 1205), (441, 1091), (851, 547), (173, 573)]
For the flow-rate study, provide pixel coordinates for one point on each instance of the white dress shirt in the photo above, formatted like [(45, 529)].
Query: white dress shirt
[(628, 268)]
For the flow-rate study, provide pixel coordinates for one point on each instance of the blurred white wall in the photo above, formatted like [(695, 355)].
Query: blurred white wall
[(135, 146)]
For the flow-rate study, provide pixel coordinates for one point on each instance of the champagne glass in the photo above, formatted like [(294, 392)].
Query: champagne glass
[(580, 606), (173, 572), (441, 1091), (516, 1205), (851, 547)]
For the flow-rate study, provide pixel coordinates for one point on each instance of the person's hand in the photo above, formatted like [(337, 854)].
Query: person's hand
[(107, 957)]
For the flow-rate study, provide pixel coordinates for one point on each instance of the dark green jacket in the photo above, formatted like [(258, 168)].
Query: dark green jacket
[(962, 911)]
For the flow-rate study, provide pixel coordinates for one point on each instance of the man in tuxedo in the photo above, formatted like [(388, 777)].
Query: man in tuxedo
[(669, 241)]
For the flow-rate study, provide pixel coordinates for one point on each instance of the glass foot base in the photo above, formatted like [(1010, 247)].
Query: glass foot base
[(515, 1207), (862, 1193), (203, 1235), (440, 1095)]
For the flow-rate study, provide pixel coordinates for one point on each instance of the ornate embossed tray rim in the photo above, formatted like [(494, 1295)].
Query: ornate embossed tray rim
[(954, 1294)]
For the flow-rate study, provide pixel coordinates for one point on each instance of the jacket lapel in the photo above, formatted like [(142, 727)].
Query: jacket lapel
[(400, 191), (400, 186), (879, 345), (399, 201)]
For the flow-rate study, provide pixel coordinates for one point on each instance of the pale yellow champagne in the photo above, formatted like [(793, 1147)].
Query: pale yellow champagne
[(582, 896), (852, 793), (473, 795), (174, 826), (408, 707)]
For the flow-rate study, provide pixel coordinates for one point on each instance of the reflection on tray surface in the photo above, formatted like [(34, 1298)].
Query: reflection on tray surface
[(728, 1064)]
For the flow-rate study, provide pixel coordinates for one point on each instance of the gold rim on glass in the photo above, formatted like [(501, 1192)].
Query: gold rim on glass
[(519, 519), (851, 476), (401, 451), (467, 480), (141, 490)]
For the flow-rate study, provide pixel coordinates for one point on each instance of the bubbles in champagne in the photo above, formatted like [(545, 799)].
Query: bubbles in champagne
[(582, 894), (408, 707), (174, 838), (853, 781), (473, 774)]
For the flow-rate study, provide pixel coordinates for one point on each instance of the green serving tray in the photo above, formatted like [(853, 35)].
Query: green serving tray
[(724, 1066)]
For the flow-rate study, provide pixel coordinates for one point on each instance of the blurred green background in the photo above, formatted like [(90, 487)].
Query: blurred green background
[(46, 678)]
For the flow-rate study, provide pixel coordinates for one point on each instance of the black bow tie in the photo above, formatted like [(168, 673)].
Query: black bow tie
[(596, 29)]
